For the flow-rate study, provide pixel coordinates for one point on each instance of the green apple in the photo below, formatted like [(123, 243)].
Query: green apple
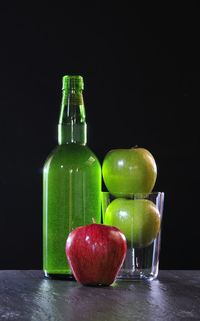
[(129, 171), (138, 219)]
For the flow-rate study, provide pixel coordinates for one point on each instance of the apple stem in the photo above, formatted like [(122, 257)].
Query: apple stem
[(136, 146), (93, 220)]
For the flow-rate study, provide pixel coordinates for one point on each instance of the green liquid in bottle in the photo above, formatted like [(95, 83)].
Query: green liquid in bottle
[(71, 182)]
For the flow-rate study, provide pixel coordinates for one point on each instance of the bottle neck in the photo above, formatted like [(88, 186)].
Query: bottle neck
[(72, 127)]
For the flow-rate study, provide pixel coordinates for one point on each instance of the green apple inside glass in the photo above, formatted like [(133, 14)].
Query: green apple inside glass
[(138, 219), (129, 171)]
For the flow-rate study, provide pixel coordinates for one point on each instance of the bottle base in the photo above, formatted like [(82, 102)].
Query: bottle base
[(67, 277)]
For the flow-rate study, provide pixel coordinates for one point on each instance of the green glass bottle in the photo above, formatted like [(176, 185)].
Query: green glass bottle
[(71, 181)]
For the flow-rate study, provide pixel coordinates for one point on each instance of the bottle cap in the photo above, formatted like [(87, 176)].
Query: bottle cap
[(72, 82)]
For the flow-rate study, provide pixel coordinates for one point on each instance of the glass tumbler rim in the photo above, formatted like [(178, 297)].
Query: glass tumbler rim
[(153, 193)]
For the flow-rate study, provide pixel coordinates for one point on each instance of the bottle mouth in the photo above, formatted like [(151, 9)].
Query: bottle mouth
[(72, 82)]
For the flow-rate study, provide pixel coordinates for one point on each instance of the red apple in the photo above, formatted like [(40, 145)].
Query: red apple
[(96, 253)]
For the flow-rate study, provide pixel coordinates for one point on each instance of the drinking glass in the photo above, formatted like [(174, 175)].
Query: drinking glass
[(142, 261)]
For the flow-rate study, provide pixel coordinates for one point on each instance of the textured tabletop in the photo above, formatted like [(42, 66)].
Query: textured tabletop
[(27, 295)]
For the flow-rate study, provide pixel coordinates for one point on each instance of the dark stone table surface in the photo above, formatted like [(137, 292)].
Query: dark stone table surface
[(27, 295)]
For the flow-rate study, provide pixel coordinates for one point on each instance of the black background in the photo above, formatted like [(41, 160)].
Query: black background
[(141, 72)]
